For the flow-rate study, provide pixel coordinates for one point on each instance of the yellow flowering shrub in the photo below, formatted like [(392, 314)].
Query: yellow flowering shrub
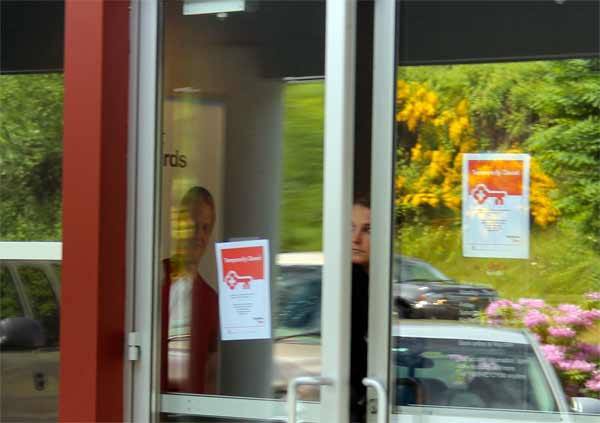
[(429, 174)]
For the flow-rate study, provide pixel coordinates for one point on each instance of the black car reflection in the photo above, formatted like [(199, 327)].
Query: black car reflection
[(423, 292), (420, 291)]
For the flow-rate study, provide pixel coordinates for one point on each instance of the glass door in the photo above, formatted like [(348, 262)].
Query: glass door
[(242, 211), (483, 293)]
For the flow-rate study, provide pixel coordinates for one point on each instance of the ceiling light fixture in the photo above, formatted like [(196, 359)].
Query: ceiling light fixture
[(206, 7)]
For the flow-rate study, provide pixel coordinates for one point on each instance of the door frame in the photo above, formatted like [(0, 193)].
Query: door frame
[(382, 195), (141, 396), (338, 182)]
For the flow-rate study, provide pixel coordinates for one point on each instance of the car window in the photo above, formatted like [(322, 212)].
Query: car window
[(10, 306), (299, 300), (474, 374), (42, 299), (414, 271)]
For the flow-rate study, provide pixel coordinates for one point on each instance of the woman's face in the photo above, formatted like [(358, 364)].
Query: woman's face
[(361, 235)]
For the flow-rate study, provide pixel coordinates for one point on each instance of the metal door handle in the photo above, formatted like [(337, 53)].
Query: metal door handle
[(293, 388), (381, 397)]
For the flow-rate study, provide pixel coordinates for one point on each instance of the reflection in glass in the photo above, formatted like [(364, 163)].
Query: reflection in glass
[(459, 127), (190, 310), (31, 122), (244, 131), (470, 373), (31, 134), (29, 340), (43, 301), (185, 418), (10, 305)]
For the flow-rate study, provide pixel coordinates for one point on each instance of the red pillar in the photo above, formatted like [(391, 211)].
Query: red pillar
[(94, 210)]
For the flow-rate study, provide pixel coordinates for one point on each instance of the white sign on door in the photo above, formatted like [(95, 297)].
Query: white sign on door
[(244, 294), (495, 205)]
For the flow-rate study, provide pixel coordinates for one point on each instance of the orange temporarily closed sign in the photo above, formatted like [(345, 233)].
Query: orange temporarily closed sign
[(244, 295), (495, 205)]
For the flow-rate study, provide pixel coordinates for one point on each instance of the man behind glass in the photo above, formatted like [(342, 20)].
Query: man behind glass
[(189, 304)]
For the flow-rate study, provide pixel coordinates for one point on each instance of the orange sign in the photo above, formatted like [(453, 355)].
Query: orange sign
[(242, 266), (497, 175)]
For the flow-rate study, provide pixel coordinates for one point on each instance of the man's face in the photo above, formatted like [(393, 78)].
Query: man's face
[(361, 235), (202, 215)]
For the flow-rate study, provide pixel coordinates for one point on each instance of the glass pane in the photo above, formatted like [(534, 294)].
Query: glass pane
[(242, 161), (467, 373), (31, 135), (31, 156), (497, 234)]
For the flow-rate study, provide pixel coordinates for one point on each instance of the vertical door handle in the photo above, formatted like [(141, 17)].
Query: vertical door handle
[(292, 391), (381, 398)]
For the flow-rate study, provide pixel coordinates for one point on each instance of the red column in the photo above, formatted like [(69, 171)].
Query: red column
[(94, 210)]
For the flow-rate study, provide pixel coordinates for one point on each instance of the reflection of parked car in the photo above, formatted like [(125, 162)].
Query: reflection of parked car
[(299, 291), (477, 367), (459, 365), (423, 292), (420, 291), (29, 332), (488, 373)]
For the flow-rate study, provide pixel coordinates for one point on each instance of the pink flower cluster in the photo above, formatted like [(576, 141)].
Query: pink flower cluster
[(535, 318), (532, 303), (593, 384), (557, 329), (498, 308), (579, 365), (554, 353), (561, 332), (591, 351)]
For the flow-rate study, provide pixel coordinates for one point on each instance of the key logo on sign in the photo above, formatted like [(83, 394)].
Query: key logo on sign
[(232, 279), (482, 193)]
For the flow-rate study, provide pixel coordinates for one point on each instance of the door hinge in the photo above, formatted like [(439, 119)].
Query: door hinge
[(133, 344)]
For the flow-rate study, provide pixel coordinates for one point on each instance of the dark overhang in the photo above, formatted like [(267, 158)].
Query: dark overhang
[(431, 31), (465, 31), (31, 36)]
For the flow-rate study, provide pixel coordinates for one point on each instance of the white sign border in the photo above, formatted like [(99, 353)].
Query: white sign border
[(526, 159), (264, 244)]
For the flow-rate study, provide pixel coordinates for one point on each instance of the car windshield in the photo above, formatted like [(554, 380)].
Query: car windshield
[(470, 373), (407, 270)]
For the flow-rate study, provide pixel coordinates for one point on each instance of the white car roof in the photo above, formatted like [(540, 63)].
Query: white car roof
[(450, 330), (311, 258), (316, 258)]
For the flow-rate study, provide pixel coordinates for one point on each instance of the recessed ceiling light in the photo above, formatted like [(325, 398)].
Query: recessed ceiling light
[(206, 7)]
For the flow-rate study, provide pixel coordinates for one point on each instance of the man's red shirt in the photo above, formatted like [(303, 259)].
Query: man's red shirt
[(204, 332)]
